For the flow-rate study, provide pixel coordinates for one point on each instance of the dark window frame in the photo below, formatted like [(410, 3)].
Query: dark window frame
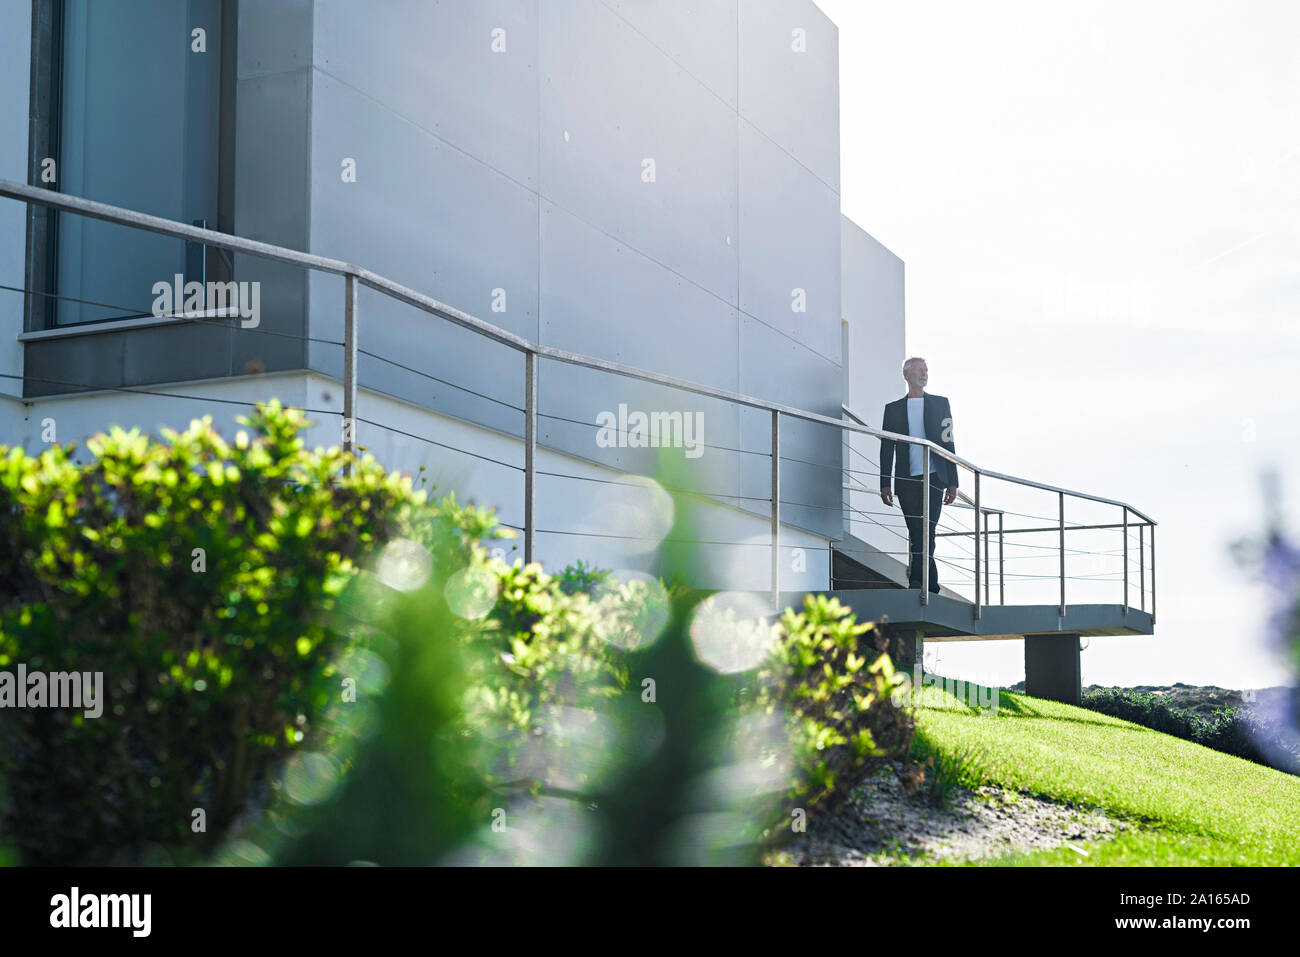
[(39, 312)]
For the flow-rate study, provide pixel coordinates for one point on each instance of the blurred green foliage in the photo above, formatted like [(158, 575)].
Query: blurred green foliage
[(199, 577), (1230, 730), (581, 577), (348, 676), (838, 694)]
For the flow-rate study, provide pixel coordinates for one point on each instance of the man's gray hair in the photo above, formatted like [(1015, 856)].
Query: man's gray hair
[(911, 362)]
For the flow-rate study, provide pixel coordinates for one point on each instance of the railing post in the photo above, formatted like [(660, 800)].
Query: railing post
[(349, 367), (1125, 511), (1002, 568), (196, 260), (1142, 567), (776, 510), (925, 524), (202, 238), (1153, 574), (1060, 496), (985, 528), (530, 456), (978, 516)]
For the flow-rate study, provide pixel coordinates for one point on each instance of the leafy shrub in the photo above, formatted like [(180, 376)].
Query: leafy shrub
[(837, 694), (540, 730), (601, 772), (539, 649), (229, 591), (390, 775), (582, 578), (510, 706), (199, 577), (1230, 730), (226, 591)]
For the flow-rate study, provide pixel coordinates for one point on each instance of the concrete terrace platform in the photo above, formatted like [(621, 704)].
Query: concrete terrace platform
[(948, 619), (1052, 663)]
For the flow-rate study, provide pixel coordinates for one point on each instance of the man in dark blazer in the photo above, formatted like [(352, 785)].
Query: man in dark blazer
[(925, 416)]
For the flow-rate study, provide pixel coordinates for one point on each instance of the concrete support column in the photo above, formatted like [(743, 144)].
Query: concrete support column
[(911, 646), (1052, 668)]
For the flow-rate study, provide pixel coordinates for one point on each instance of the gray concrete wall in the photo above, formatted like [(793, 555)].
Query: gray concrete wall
[(500, 152), (273, 83), (511, 182), (874, 316), (480, 465)]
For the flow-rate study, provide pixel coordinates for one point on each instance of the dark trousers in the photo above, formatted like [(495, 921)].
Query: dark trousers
[(909, 492)]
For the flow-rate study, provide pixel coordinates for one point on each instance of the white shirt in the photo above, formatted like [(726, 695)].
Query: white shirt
[(916, 427)]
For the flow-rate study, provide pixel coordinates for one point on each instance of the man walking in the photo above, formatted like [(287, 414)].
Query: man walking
[(924, 416)]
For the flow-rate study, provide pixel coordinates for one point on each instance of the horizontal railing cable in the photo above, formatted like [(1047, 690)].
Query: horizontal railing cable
[(89, 327), (595, 425), (438, 379), (956, 530)]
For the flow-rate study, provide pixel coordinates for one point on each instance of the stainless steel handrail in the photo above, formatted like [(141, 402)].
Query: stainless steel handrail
[(981, 522), (961, 496), (951, 457), (354, 274)]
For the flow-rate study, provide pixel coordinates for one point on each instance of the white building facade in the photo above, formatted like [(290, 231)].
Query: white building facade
[(652, 184)]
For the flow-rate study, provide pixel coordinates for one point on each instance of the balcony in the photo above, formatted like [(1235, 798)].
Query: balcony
[(1069, 565)]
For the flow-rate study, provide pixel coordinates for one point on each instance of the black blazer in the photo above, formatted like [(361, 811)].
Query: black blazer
[(895, 457)]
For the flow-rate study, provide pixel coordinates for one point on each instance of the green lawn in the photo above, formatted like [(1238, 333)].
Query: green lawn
[(1202, 807)]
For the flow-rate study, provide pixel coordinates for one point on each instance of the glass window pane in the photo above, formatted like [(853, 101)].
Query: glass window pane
[(139, 122)]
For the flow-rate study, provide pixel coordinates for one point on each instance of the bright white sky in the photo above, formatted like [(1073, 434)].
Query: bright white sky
[(1097, 205)]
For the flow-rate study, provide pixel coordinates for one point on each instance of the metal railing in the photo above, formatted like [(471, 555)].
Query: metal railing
[(982, 522), (354, 275), (982, 532)]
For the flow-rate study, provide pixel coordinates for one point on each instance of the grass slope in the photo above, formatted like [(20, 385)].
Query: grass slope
[(1206, 808)]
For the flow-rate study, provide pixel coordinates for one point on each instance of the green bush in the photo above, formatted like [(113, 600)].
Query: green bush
[(1230, 730), (540, 648), (837, 693), (603, 785), (521, 740), (498, 692), (199, 577), (331, 668), (582, 578), (227, 592), (390, 776)]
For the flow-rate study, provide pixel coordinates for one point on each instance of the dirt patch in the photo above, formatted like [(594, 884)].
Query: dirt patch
[(882, 826)]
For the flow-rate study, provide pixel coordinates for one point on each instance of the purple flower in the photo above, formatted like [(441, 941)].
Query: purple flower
[(1281, 572), (1275, 723)]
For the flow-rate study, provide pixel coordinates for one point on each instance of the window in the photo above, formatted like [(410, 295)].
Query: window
[(139, 117)]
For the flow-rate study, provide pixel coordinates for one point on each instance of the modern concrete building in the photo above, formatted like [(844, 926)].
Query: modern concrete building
[(655, 185)]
